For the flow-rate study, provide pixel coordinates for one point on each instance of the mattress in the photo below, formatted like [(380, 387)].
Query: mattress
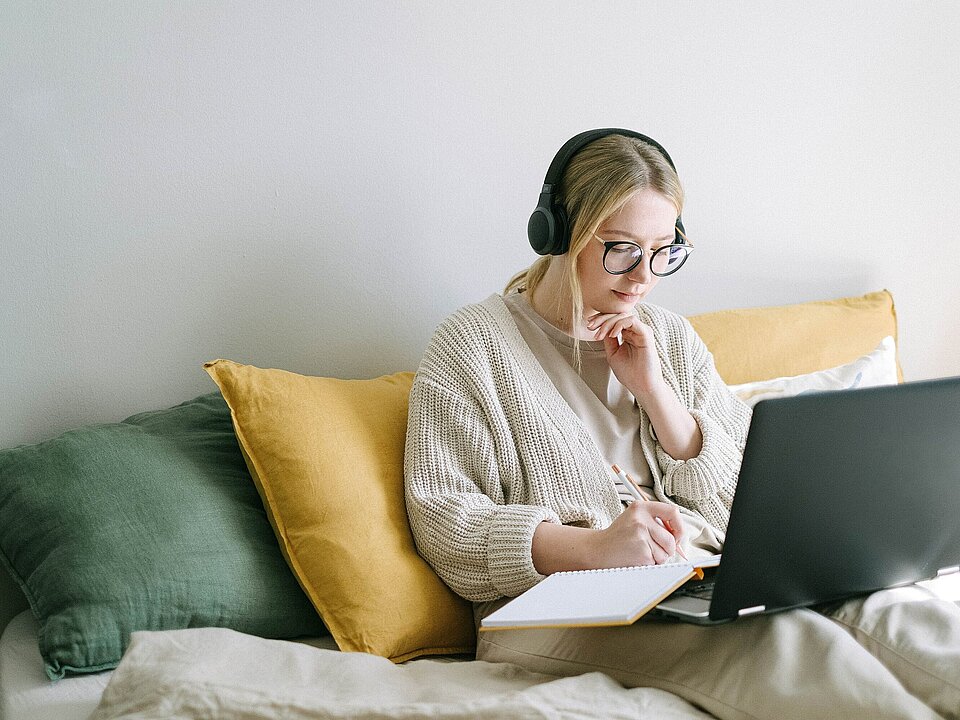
[(25, 691)]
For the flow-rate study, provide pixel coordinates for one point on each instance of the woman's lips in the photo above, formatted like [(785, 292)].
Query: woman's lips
[(627, 297)]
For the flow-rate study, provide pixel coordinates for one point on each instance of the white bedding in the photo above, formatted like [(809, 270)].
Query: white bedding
[(217, 673), (25, 691)]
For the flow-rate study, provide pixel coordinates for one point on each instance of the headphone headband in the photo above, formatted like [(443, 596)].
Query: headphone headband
[(548, 229), (571, 146)]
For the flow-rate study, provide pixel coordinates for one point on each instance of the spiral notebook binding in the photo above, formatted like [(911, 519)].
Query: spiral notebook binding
[(621, 569)]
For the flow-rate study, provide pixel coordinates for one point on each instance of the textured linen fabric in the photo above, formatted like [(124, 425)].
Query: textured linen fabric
[(152, 523), (876, 368), (493, 449), (214, 674), (327, 457), (761, 343)]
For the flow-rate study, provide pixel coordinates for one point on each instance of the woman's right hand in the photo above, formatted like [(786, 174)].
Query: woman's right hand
[(636, 538)]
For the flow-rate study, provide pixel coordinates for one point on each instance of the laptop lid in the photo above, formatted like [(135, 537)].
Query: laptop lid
[(842, 493)]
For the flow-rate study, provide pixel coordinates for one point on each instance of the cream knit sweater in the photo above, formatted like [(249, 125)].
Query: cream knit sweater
[(493, 450)]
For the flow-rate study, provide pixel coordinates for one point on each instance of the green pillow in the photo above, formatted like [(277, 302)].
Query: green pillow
[(149, 524)]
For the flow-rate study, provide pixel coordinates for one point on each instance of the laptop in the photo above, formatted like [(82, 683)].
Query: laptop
[(840, 494)]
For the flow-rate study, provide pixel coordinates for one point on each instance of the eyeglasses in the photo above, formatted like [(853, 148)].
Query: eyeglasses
[(620, 257)]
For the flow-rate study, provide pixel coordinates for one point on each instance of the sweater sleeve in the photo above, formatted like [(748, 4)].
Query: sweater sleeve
[(707, 482), (463, 525)]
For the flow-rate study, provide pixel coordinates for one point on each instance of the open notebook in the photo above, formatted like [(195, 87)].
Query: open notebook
[(583, 598)]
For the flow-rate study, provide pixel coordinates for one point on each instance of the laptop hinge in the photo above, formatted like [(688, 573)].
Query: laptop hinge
[(751, 610), (948, 570)]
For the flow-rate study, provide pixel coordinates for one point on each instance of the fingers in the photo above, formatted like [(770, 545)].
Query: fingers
[(658, 555), (595, 320), (654, 542), (663, 543), (666, 530), (626, 324), (609, 326), (670, 516), (660, 547)]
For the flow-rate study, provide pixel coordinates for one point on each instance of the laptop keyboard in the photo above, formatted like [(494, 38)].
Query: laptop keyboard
[(702, 589)]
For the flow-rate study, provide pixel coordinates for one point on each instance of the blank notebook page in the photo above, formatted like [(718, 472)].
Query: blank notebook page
[(591, 597)]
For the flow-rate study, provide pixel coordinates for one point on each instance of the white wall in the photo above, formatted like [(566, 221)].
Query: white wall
[(313, 186)]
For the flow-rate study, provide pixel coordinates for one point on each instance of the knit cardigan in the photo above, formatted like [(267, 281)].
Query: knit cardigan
[(493, 449)]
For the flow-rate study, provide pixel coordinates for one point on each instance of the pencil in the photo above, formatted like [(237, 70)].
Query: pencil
[(634, 490), (631, 486)]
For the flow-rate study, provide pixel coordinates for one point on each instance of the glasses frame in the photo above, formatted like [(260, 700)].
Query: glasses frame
[(610, 244)]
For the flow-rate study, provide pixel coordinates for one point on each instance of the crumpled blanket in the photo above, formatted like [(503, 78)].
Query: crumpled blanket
[(215, 673)]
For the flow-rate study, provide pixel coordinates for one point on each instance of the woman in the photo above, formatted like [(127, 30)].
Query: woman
[(523, 402)]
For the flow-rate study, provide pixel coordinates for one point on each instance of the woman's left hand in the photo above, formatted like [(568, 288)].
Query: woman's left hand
[(634, 361)]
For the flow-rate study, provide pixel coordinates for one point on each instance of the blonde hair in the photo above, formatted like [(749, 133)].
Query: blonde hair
[(597, 182)]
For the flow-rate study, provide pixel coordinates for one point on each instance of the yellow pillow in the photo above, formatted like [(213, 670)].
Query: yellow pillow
[(327, 458), (769, 342)]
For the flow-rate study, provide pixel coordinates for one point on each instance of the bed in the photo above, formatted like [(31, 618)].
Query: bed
[(25, 691), (189, 575)]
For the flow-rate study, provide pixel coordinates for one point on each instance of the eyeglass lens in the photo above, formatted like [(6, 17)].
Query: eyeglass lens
[(621, 258)]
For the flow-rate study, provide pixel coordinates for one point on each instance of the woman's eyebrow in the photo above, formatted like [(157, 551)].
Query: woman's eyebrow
[(630, 235)]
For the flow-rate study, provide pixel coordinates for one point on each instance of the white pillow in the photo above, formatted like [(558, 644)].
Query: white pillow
[(878, 367)]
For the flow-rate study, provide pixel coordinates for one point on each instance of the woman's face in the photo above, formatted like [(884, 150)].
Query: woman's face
[(648, 219)]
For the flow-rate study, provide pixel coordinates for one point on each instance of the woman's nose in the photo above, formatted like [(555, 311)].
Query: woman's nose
[(641, 273)]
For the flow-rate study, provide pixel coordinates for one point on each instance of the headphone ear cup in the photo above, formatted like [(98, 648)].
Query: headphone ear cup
[(561, 238), (540, 230), (547, 228)]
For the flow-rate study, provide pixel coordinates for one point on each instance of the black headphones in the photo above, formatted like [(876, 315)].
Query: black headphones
[(548, 229)]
